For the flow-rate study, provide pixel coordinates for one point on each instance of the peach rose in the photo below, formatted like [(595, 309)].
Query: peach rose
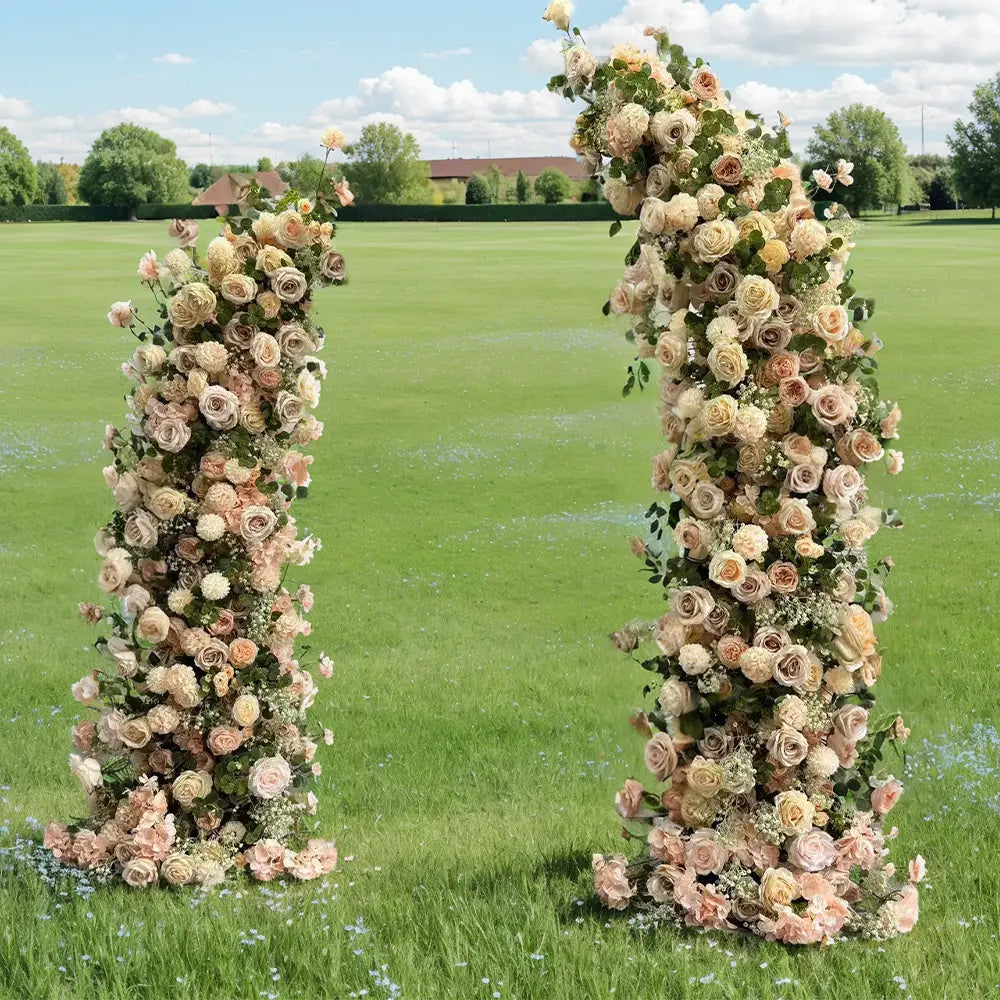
[(885, 796), (611, 881)]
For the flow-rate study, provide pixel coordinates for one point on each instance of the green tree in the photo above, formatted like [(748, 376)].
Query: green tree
[(552, 186), (264, 163), (975, 148), (128, 166), (940, 193), (201, 176), (51, 187), (70, 174), (869, 139), (494, 181), (304, 173), (523, 188), (384, 166), (477, 191), (18, 176)]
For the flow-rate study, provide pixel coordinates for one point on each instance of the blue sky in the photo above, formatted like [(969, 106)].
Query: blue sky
[(462, 76)]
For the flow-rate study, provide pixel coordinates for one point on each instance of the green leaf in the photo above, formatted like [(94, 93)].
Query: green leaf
[(616, 228)]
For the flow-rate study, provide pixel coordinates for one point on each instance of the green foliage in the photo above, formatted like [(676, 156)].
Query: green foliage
[(975, 148), (494, 181), (452, 192), (304, 174), (129, 166), (941, 192), (552, 186), (18, 176), (201, 176), (51, 186), (384, 166), (264, 163), (523, 188), (477, 191), (869, 139)]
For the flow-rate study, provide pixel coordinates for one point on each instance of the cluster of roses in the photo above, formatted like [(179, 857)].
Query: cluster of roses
[(771, 818), (200, 757)]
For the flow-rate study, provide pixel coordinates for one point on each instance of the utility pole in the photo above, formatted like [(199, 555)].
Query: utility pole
[(489, 149), (453, 148)]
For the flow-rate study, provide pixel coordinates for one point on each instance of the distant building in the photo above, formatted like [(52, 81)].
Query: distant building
[(462, 169), (229, 189)]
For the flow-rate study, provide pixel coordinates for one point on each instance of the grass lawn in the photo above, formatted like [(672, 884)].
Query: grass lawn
[(475, 488)]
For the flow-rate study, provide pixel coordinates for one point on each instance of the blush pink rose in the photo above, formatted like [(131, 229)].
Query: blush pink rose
[(886, 796)]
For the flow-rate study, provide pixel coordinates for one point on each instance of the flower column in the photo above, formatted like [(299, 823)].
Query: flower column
[(200, 756), (766, 812)]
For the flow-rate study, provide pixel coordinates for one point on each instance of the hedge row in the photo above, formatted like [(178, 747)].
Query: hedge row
[(590, 211), (98, 213)]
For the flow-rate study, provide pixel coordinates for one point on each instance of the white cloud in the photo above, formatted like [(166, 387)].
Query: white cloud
[(464, 50), (11, 108), (173, 59), (919, 54), (785, 32), (203, 108)]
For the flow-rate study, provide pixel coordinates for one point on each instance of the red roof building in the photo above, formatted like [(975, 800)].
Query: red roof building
[(228, 189)]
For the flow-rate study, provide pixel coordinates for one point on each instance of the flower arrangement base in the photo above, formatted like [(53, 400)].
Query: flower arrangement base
[(770, 788)]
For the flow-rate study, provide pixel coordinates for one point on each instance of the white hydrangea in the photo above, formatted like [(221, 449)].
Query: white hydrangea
[(694, 658), (214, 587), (211, 527)]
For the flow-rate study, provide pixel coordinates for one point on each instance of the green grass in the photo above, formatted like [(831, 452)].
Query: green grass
[(478, 479)]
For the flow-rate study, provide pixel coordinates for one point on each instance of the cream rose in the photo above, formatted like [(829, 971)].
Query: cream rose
[(728, 363), (265, 351), (289, 284), (714, 240), (193, 305), (238, 289), (756, 297), (153, 625), (269, 777), (727, 569), (190, 785), (718, 417), (706, 501), (673, 129), (777, 888), (245, 710), (795, 812), (140, 872)]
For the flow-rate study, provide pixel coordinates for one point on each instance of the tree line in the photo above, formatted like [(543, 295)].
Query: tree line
[(129, 165)]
